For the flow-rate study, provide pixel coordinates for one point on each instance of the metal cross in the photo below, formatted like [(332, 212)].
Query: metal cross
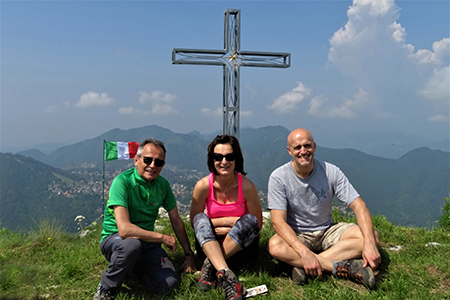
[(231, 58)]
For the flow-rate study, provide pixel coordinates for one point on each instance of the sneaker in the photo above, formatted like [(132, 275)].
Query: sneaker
[(298, 276), (102, 293), (231, 285), (207, 277), (353, 269)]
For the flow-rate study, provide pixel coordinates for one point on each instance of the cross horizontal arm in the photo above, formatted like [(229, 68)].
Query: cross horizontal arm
[(264, 59), (197, 57), (242, 58)]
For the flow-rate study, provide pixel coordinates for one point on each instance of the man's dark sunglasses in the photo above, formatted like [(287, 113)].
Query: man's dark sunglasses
[(148, 161), (228, 157)]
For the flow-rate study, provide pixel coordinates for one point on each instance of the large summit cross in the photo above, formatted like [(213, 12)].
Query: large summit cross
[(231, 58)]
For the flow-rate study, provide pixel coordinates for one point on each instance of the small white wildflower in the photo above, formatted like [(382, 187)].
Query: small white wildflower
[(432, 244), (395, 248), (79, 218)]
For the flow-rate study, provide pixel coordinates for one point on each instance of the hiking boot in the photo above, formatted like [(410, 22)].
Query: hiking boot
[(231, 285), (103, 294), (207, 277), (353, 269), (298, 276)]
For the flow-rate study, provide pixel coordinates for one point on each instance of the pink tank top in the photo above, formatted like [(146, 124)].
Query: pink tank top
[(215, 209)]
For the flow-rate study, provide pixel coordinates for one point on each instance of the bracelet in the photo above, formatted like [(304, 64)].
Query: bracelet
[(188, 254)]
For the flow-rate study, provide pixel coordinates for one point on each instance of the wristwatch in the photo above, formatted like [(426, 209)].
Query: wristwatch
[(188, 253)]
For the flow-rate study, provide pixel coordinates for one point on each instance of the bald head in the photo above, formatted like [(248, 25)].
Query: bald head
[(301, 146), (299, 133)]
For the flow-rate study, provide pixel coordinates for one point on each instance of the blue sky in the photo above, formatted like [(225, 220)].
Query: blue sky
[(72, 70)]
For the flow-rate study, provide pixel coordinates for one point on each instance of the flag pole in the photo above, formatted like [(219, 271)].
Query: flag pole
[(103, 180)]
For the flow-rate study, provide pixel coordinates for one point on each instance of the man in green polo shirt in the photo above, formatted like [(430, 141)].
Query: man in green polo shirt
[(129, 241)]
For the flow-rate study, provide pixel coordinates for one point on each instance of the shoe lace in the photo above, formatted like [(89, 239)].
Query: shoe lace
[(345, 271), (207, 275), (231, 288)]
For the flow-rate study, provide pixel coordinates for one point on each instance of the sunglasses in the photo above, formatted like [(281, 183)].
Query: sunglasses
[(148, 161), (228, 157)]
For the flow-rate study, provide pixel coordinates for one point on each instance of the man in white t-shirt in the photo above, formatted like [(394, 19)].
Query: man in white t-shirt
[(300, 202)]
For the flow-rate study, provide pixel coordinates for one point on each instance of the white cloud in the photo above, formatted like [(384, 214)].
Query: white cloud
[(372, 48), (437, 86), (349, 109), (438, 119), (370, 30), (212, 113), (287, 102), (126, 110), (435, 57), (161, 102), (94, 99), (156, 97), (50, 109), (246, 113)]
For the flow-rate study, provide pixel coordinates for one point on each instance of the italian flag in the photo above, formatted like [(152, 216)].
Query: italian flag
[(120, 150)]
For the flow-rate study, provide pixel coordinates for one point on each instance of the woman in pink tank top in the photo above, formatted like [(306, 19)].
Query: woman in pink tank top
[(226, 216)]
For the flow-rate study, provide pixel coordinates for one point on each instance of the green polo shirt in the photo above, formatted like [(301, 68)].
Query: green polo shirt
[(143, 200)]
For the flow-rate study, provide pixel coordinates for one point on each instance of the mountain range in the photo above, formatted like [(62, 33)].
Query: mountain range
[(409, 190)]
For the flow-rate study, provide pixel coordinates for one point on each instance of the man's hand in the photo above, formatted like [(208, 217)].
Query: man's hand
[(371, 256), (189, 265), (170, 242), (311, 265)]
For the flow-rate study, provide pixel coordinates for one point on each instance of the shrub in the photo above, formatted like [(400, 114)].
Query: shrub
[(444, 219)]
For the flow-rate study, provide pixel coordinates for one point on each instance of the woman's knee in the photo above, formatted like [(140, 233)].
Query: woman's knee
[(203, 229), (200, 218), (244, 231), (250, 219)]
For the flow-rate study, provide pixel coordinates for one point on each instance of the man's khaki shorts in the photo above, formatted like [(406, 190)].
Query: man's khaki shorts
[(321, 240)]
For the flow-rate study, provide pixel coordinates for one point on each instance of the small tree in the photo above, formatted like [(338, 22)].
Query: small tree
[(444, 219)]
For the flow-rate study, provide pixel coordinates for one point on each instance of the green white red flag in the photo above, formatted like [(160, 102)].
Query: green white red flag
[(120, 150)]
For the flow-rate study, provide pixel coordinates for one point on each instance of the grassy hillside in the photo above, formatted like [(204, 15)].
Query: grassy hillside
[(47, 263)]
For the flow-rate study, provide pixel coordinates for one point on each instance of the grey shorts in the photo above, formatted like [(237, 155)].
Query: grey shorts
[(321, 240)]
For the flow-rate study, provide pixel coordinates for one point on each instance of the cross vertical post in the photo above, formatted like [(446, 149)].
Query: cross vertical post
[(231, 58)]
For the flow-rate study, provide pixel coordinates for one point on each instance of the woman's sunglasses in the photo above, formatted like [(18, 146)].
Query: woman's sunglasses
[(148, 161), (228, 157)]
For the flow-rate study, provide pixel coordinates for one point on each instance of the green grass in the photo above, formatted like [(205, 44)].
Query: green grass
[(47, 263)]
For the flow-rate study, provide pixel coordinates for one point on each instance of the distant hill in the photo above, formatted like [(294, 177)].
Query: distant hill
[(25, 198), (409, 190), (88, 153), (34, 153), (387, 144)]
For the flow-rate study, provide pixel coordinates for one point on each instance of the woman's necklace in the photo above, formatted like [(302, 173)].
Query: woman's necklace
[(227, 189)]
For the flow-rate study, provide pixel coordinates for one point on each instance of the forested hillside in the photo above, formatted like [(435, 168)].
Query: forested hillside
[(31, 191)]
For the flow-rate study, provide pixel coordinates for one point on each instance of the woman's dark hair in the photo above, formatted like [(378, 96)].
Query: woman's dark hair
[(226, 139)]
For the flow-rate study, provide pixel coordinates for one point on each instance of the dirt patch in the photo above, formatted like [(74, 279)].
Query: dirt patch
[(360, 288), (443, 286), (432, 270)]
